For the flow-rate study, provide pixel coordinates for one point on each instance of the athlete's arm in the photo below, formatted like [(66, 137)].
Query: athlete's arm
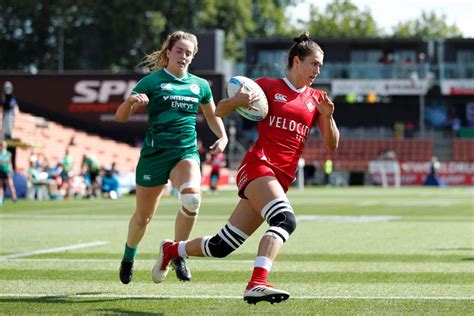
[(326, 122), (130, 106), (216, 125), (240, 99)]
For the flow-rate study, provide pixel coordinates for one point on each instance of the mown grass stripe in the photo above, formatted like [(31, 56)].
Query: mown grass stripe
[(224, 297), (241, 265), (468, 255), (229, 276)]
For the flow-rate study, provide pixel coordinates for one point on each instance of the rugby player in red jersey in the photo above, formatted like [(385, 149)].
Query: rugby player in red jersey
[(267, 169)]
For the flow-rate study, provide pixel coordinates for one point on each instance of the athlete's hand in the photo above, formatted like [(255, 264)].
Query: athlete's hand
[(138, 100), (244, 97), (324, 104), (218, 146)]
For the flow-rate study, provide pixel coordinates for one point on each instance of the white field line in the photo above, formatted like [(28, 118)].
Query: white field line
[(306, 297), (204, 261), (346, 219), (51, 250)]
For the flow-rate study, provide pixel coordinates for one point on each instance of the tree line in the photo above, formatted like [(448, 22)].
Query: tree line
[(114, 35)]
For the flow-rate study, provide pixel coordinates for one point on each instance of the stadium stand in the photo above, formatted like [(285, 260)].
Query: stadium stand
[(51, 140), (355, 154), (463, 150)]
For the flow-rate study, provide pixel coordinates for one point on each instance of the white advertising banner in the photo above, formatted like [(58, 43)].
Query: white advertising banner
[(380, 87), (457, 87)]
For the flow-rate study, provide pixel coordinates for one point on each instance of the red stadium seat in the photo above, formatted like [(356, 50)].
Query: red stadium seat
[(355, 154), (51, 140)]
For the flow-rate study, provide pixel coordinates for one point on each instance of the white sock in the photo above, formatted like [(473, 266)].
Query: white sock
[(182, 249), (263, 262)]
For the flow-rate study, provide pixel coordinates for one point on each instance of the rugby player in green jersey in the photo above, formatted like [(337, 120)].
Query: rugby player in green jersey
[(5, 169), (171, 97)]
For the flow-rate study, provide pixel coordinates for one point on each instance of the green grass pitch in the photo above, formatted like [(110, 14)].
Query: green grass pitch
[(355, 251)]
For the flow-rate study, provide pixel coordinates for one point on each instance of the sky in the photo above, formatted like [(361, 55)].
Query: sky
[(388, 13)]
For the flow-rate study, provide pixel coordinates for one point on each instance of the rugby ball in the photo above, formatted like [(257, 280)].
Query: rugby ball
[(260, 105)]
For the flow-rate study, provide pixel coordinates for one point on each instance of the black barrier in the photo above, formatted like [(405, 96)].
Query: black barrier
[(357, 178), (88, 101)]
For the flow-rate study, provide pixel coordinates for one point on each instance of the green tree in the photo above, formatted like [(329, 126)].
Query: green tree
[(116, 34), (342, 19), (241, 19), (78, 34), (429, 26)]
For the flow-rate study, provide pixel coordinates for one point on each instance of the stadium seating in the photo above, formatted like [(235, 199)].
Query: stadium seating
[(51, 140), (355, 154), (463, 150)]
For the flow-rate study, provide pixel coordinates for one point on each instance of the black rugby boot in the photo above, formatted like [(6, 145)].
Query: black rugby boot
[(182, 271), (126, 271)]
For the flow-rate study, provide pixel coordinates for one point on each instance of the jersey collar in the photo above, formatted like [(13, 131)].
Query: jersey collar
[(292, 87), (180, 78)]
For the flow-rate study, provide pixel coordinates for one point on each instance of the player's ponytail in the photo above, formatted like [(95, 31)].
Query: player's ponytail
[(304, 46), (158, 59)]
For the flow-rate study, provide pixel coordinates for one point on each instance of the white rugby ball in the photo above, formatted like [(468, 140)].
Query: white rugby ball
[(260, 105)]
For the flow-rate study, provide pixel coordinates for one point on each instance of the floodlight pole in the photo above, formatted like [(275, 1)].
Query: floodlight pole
[(425, 85), (422, 113)]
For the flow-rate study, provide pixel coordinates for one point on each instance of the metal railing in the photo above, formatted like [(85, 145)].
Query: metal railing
[(369, 70)]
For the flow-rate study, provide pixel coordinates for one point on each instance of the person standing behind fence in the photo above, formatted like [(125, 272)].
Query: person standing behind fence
[(217, 163), (327, 170), (5, 170), (172, 98), (9, 109)]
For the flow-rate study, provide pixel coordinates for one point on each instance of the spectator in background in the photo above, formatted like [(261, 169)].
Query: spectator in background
[(455, 126), (327, 170), (5, 170), (9, 109), (54, 180), (422, 70), (110, 184), (432, 176), (91, 168), (386, 58), (202, 153), (217, 162), (34, 184), (66, 164)]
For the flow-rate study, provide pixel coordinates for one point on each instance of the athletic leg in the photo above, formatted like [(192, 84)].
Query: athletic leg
[(186, 176), (147, 199), (11, 188), (267, 196), (241, 224)]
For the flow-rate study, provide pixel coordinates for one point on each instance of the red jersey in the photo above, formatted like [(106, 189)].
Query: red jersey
[(283, 133)]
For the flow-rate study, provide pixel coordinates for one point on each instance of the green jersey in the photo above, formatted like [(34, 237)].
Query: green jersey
[(92, 164), (5, 161), (67, 163), (173, 107)]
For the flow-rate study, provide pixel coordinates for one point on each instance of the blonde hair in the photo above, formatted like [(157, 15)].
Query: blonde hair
[(304, 46), (158, 60)]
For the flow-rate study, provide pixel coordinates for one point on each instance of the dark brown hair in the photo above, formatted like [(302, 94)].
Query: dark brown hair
[(303, 47)]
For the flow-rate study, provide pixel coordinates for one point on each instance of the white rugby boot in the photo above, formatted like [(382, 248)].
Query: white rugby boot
[(265, 292), (162, 265)]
